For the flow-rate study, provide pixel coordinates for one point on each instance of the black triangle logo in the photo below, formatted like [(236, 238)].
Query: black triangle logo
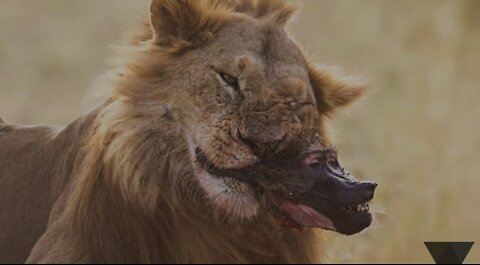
[(449, 252)]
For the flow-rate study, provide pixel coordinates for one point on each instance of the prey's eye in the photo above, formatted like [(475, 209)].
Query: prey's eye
[(333, 163), (230, 81)]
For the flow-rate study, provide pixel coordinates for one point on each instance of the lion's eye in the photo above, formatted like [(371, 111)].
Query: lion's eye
[(230, 81)]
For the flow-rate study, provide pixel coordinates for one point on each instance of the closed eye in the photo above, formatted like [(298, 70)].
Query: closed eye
[(230, 81)]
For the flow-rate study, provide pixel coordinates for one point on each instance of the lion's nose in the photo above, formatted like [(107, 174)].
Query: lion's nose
[(262, 143)]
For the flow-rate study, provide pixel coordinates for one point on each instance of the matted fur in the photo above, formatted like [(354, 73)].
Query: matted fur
[(127, 191)]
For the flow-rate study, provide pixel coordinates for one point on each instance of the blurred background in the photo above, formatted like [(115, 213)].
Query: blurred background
[(417, 134)]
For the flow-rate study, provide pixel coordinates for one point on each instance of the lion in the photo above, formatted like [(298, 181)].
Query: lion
[(211, 148)]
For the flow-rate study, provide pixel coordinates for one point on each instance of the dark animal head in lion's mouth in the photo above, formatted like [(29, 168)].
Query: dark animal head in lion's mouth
[(305, 191)]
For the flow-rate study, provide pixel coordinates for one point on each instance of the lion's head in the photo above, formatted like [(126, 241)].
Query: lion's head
[(251, 109)]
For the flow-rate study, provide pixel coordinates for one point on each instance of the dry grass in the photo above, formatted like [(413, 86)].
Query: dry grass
[(417, 134)]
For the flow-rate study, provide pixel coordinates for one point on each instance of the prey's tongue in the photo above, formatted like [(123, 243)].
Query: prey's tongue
[(306, 216)]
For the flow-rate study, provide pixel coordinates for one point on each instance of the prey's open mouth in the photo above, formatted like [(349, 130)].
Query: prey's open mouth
[(347, 220), (311, 195)]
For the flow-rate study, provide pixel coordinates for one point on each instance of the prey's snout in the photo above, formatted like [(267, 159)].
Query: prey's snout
[(323, 194)]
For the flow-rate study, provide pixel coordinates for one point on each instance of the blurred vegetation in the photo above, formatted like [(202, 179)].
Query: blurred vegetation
[(417, 133)]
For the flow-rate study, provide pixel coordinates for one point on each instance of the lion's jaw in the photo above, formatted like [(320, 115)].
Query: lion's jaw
[(234, 198)]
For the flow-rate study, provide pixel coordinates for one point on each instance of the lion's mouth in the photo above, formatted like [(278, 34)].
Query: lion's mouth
[(287, 214), (232, 175), (345, 210)]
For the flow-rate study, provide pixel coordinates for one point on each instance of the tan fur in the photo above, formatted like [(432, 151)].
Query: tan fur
[(338, 91), (120, 181)]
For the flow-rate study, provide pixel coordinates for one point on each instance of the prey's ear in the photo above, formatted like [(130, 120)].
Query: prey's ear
[(185, 22), (333, 90)]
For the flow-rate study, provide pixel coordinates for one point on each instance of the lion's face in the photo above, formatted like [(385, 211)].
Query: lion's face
[(251, 99), (252, 110)]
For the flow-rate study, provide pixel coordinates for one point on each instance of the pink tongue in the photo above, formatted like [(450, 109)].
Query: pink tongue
[(306, 216)]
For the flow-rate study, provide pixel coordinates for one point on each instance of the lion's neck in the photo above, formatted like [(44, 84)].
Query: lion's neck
[(130, 235), (113, 231), (193, 240)]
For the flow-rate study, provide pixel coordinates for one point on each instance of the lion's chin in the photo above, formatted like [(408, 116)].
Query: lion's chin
[(234, 198)]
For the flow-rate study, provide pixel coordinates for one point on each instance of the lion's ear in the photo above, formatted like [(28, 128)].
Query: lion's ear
[(333, 90), (180, 22), (276, 12)]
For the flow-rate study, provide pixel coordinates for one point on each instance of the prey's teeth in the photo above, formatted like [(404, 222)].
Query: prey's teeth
[(362, 207)]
